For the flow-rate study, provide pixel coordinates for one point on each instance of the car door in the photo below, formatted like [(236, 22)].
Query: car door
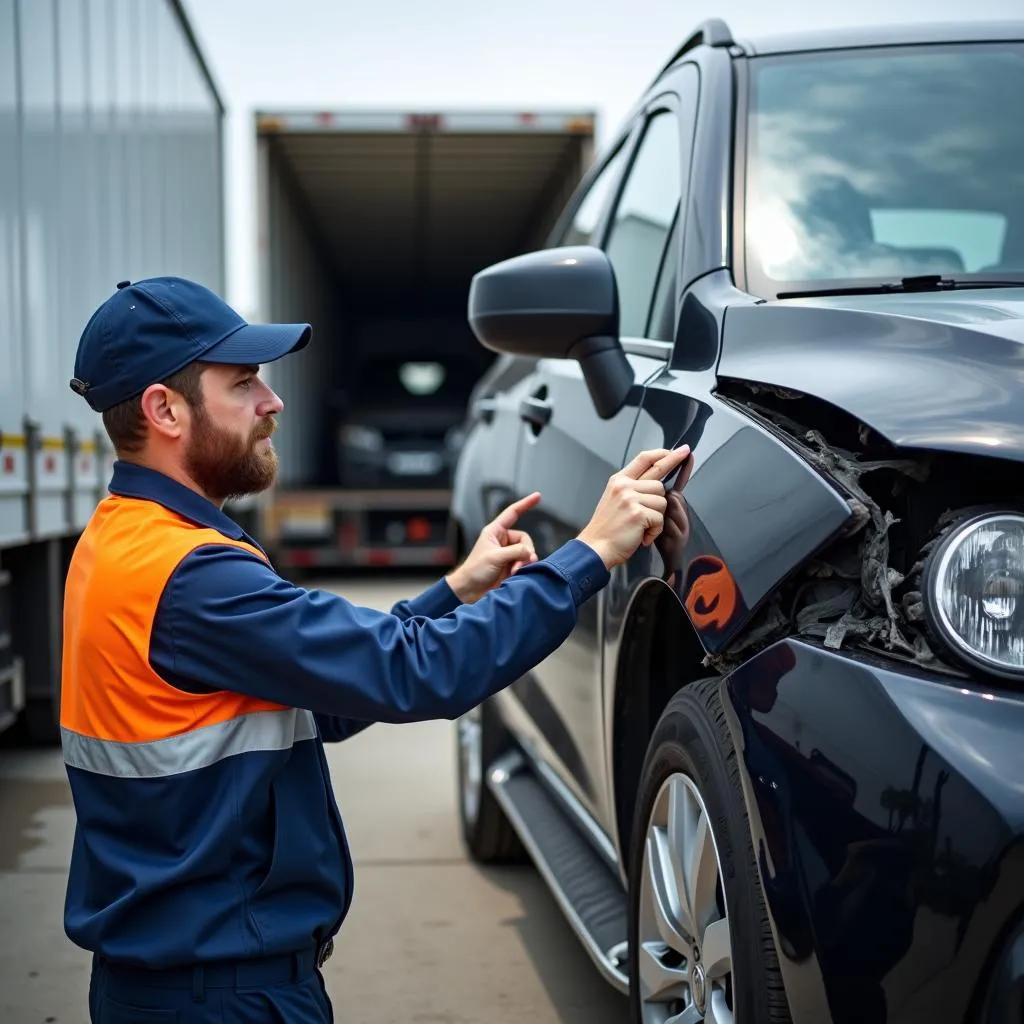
[(484, 478), (567, 451)]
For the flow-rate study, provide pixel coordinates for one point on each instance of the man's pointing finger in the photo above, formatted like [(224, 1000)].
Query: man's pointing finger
[(510, 515)]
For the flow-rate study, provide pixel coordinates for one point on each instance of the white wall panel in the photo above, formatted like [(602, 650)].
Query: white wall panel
[(41, 234), (110, 168), (126, 126), (172, 194), (101, 189), (74, 257), (152, 129), (12, 367)]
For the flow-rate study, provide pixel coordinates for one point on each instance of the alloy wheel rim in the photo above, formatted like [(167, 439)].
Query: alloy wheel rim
[(684, 942), (471, 763)]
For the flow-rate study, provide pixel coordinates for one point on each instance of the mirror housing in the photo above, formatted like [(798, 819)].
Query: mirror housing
[(558, 303)]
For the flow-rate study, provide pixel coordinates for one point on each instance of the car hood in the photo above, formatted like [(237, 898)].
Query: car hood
[(936, 371)]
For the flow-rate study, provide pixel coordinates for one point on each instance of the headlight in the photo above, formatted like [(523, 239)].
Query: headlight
[(974, 592)]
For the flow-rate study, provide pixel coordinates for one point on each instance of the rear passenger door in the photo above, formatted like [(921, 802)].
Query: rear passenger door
[(567, 452)]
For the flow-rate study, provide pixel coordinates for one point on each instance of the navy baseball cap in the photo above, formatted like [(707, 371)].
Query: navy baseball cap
[(148, 330)]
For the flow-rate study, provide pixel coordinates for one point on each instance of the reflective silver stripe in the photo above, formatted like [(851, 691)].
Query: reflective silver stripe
[(259, 730)]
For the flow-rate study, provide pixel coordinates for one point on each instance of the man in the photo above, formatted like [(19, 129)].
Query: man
[(210, 869)]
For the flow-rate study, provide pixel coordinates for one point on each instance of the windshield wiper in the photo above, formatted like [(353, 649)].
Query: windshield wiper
[(922, 283)]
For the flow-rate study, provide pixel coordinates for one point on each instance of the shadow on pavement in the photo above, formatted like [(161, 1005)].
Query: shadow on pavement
[(576, 988)]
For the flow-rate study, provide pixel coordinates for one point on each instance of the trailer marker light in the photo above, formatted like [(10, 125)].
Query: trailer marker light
[(418, 529)]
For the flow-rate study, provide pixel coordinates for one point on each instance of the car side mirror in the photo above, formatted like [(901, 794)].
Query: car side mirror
[(558, 303)]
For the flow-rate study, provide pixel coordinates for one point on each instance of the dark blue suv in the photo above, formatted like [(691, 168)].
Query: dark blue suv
[(777, 771)]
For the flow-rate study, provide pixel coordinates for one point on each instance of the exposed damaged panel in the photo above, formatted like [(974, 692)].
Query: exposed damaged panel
[(863, 590), (886, 359)]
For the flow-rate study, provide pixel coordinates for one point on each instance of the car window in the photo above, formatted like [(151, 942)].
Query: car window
[(588, 215), (662, 323), (643, 219), (875, 164)]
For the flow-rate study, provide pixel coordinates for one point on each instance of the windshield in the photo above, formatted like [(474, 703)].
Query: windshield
[(882, 164)]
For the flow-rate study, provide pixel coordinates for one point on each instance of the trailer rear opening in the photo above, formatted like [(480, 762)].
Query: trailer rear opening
[(371, 226)]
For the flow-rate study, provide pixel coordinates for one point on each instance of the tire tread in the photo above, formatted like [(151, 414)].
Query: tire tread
[(706, 692)]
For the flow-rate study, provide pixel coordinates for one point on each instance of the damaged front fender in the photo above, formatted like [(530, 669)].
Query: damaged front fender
[(846, 593), (749, 515)]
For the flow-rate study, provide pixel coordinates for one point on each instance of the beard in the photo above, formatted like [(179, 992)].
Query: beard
[(226, 466)]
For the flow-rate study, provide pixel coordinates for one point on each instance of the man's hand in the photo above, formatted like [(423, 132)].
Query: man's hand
[(676, 533), (632, 509), (499, 552)]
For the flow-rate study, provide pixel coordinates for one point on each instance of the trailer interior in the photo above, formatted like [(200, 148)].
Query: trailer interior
[(372, 226)]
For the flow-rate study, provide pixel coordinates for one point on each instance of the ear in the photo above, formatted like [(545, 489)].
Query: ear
[(165, 410)]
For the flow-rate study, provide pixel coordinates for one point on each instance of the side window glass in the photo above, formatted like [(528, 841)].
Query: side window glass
[(588, 213), (643, 220), (663, 312)]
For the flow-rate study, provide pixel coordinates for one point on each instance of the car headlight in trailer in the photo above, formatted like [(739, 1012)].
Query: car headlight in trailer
[(974, 592)]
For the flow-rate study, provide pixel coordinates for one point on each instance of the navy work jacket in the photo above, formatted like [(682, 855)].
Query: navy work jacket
[(198, 689)]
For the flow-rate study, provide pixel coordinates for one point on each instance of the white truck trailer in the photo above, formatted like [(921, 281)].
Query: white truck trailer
[(371, 226), (110, 169)]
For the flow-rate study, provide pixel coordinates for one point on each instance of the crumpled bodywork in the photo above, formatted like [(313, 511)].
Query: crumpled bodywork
[(904, 380), (941, 372), (846, 594)]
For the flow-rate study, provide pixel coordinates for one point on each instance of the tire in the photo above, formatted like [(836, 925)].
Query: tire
[(691, 765), (481, 738)]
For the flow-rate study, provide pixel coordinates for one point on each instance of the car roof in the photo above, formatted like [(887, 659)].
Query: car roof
[(884, 35)]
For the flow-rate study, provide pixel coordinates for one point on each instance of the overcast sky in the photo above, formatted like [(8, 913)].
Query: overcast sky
[(443, 54)]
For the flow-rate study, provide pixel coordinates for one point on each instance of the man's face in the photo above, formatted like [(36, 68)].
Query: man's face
[(229, 452)]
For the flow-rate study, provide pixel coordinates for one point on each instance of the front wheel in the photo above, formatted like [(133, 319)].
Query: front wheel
[(700, 944)]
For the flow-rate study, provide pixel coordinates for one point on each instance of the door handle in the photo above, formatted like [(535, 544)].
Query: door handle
[(535, 411), (483, 409)]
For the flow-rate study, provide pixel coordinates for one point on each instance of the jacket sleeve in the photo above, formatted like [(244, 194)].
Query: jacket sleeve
[(227, 620), (434, 602), (334, 728)]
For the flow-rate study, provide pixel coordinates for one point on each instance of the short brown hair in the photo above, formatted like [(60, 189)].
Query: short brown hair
[(125, 424)]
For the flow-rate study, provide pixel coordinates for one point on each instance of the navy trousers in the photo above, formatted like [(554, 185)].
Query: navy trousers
[(285, 990)]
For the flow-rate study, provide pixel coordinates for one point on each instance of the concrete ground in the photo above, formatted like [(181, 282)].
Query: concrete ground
[(430, 938)]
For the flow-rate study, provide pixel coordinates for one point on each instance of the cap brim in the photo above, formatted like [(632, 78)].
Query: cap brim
[(259, 343)]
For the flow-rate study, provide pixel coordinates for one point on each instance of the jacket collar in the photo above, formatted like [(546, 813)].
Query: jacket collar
[(132, 481)]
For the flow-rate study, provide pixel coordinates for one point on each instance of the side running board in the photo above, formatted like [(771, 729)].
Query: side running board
[(589, 895)]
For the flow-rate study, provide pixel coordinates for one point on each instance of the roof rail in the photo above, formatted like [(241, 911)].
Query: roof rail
[(710, 32)]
